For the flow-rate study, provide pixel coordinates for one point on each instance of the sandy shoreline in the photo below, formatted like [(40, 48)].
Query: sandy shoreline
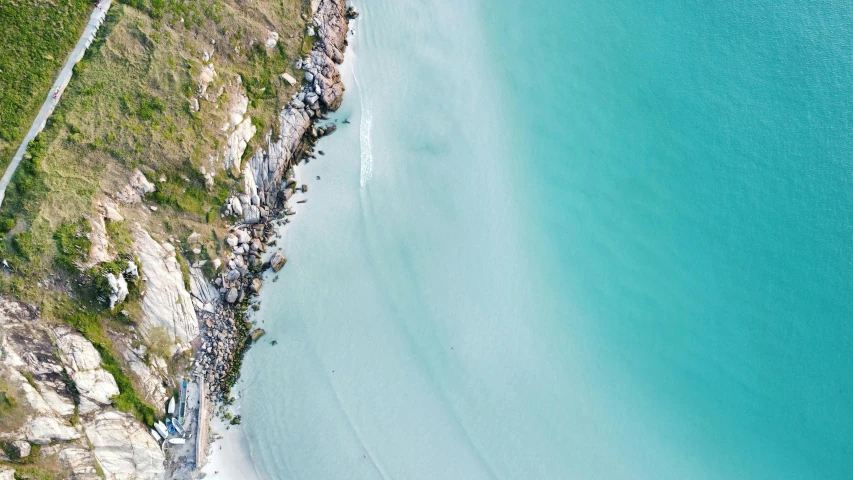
[(229, 454)]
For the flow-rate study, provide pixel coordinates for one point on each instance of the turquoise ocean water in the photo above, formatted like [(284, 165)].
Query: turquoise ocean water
[(571, 240)]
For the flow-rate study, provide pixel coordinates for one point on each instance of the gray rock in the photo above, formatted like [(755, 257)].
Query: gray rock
[(166, 302), (232, 295), (243, 236), (277, 261), (232, 275), (123, 448), (309, 76)]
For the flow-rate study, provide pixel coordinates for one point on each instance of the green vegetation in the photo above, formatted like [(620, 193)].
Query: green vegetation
[(130, 105), (91, 326), (37, 36), (10, 410), (72, 244), (38, 472)]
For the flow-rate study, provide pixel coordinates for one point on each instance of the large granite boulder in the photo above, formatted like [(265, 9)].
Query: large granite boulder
[(44, 430), (95, 385), (79, 463), (166, 302), (123, 447)]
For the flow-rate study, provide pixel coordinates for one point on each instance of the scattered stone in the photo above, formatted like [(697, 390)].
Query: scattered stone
[(277, 261), (304, 188), (288, 78), (256, 334), (232, 295)]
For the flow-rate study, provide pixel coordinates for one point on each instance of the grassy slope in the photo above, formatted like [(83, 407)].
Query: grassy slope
[(128, 107), (36, 36)]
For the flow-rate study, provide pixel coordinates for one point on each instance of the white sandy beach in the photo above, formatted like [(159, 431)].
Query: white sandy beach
[(230, 457)]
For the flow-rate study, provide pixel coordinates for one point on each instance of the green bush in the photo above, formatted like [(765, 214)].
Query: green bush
[(72, 244), (24, 245), (6, 225)]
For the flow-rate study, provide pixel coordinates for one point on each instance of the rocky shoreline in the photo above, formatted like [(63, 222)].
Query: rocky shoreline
[(77, 382), (261, 207)]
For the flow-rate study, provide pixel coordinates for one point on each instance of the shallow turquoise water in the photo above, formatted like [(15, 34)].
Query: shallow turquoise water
[(571, 240)]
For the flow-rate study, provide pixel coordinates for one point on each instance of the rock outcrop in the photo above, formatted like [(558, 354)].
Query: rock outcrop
[(29, 360), (79, 463), (277, 261), (95, 385), (242, 131), (119, 292), (135, 191), (105, 211), (44, 430), (166, 302), (99, 249), (149, 370), (262, 176), (123, 448)]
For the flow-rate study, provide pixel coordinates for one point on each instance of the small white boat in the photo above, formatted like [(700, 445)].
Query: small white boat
[(161, 429), (171, 409), (155, 435), (176, 441), (178, 427)]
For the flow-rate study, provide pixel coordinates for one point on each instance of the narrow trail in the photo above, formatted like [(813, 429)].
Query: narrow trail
[(95, 21)]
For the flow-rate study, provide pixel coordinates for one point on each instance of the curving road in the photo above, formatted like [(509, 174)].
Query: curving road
[(95, 21)]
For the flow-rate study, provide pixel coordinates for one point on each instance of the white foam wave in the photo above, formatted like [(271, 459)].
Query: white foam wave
[(364, 133), (364, 137)]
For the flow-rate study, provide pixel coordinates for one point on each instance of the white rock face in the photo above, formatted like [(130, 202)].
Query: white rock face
[(99, 250), (123, 448), (242, 131), (166, 302), (135, 191), (75, 351), (43, 430), (7, 473), (263, 172), (119, 288), (272, 39), (237, 143), (109, 211), (27, 347), (148, 377), (79, 463), (96, 386), (206, 75)]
